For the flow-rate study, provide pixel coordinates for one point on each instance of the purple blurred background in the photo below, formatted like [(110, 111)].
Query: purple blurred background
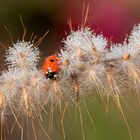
[(114, 18)]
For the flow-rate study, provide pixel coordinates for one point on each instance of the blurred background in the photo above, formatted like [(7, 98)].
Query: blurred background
[(114, 18)]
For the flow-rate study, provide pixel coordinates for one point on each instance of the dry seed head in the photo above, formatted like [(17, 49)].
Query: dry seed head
[(83, 56), (134, 37), (66, 62), (22, 55), (10, 82), (24, 98), (2, 100), (126, 56)]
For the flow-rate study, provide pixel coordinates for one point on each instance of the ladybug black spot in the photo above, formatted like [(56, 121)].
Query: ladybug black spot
[(51, 60)]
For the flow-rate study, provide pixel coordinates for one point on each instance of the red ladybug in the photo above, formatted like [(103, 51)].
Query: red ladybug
[(51, 67)]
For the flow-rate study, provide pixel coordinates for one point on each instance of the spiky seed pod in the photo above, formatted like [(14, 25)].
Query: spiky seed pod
[(11, 82), (81, 47), (23, 56)]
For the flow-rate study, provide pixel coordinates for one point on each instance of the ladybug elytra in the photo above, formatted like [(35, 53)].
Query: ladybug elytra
[(51, 67)]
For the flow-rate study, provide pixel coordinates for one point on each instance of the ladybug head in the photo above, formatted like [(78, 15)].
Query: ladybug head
[(51, 67)]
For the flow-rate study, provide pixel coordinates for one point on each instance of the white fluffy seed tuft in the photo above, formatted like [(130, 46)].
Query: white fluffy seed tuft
[(23, 56)]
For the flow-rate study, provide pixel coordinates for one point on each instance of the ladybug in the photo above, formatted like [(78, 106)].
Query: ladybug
[(51, 67)]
